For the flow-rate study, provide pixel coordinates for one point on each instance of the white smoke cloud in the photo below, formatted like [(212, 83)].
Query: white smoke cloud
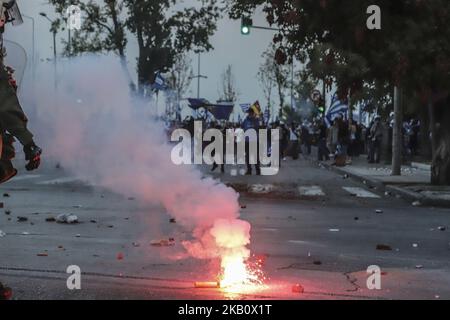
[(101, 134)]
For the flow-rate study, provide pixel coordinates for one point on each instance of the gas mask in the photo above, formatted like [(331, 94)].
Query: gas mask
[(9, 12)]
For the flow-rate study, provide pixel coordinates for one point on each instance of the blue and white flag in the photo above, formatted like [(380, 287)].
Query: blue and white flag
[(245, 107), (266, 115), (160, 83), (336, 108)]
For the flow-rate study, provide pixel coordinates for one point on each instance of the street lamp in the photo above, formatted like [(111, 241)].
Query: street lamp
[(33, 60), (53, 29)]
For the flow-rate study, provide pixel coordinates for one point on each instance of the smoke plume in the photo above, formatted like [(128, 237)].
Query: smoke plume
[(103, 135)]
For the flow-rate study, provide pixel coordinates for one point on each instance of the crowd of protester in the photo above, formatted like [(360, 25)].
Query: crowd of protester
[(340, 140)]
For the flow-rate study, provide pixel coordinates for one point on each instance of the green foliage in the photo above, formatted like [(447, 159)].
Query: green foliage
[(161, 32)]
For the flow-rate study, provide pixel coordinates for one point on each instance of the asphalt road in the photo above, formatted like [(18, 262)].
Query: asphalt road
[(325, 241)]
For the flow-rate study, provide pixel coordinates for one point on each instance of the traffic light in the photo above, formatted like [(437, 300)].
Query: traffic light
[(246, 25)]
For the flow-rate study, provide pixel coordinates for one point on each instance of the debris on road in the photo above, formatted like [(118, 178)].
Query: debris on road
[(120, 256), (25, 233), (297, 288), (442, 228), (173, 220), (2, 205), (384, 247), (415, 245), (136, 244), (417, 204), (67, 218), (78, 206), (317, 262), (356, 218), (419, 266), (78, 235), (378, 211), (8, 212), (345, 176), (243, 206), (93, 221), (2, 234), (5, 292), (163, 242), (334, 230), (6, 195), (50, 219), (22, 219), (42, 254), (207, 285)]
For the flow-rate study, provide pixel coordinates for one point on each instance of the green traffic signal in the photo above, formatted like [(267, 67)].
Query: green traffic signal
[(246, 25)]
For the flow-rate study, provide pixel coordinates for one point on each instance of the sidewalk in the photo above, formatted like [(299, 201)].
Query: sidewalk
[(413, 185)]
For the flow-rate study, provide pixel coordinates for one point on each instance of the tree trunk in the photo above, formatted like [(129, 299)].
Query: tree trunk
[(397, 134), (440, 169)]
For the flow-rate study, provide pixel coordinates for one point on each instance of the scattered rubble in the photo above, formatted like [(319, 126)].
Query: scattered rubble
[(42, 254), (8, 212), (50, 219), (442, 228), (417, 204), (93, 221), (22, 219), (384, 247), (415, 245), (378, 211), (2, 234), (67, 218), (419, 266), (297, 288), (163, 242), (5, 292)]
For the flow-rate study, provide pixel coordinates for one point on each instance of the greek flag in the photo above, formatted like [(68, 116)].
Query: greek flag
[(267, 115), (336, 108), (245, 107), (160, 83)]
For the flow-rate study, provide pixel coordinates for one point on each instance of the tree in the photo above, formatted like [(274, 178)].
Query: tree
[(410, 52), (228, 91), (272, 72), (160, 30)]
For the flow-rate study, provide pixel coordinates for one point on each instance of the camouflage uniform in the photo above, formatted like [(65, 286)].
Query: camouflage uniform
[(13, 122)]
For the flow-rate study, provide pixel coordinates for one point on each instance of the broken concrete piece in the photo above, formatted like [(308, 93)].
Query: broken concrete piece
[(297, 288), (5, 292), (384, 247), (67, 218), (2, 234), (163, 242), (379, 211), (22, 219)]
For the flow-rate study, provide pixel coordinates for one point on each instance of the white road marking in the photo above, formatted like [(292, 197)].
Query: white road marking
[(27, 177), (360, 192), (59, 181), (261, 188), (311, 191)]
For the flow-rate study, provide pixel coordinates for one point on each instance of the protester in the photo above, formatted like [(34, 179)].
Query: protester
[(251, 122), (376, 135)]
